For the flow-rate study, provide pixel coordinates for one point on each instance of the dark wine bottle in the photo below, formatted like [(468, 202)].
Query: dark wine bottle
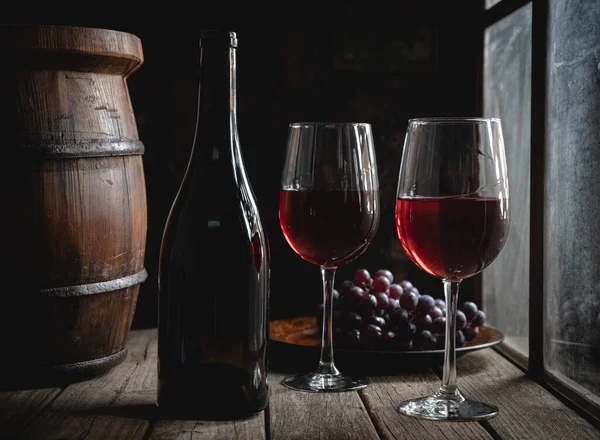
[(214, 268)]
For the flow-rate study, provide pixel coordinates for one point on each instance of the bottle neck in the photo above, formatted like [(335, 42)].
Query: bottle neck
[(217, 120)]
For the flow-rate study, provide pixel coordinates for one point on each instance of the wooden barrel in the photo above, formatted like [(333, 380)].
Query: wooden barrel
[(75, 213)]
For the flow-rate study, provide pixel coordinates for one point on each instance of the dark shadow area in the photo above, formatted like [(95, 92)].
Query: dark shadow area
[(285, 358), (354, 61), (380, 64), (36, 379), (294, 359), (135, 411), (207, 415)]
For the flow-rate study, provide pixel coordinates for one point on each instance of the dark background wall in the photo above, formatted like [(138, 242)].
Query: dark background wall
[(379, 64)]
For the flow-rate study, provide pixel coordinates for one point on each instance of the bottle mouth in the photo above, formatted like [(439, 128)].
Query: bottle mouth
[(218, 36)]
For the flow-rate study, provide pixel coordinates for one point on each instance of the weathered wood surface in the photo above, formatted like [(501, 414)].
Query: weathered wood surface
[(101, 50), (307, 416), (116, 405), (121, 404), (252, 428), (386, 392), (527, 410), (18, 407)]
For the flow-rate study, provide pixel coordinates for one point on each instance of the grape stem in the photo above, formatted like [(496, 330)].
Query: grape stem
[(326, 362), (449, 389)]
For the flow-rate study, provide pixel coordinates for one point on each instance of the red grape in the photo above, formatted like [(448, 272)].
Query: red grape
[(373, 332), (461, 320), (399, 317), (423, 322), (377, 320), (406, 333), (393, 304), (406, 285), (426, 304), (460, 338), (388, 337), (367, 303), (362, 277), (382, 300), (439, 325), (386, 273), (469, 309), (352, 320), (409, 301), (471, 333), (436, 312), (479, 318), (381, 284), (355, 294), (395, 291), (335, 294), (344, 287), (425, 340)]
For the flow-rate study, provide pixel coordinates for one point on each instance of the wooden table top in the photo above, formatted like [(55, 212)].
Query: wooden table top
[(121, 405)]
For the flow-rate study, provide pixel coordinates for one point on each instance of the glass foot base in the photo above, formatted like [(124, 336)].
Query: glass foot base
[(323, 383), (438, 408)]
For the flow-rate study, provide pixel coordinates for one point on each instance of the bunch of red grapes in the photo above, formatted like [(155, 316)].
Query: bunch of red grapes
[(377, 313)]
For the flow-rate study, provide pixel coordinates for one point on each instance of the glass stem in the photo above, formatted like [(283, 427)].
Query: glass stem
[(449, 388), (326, 364)]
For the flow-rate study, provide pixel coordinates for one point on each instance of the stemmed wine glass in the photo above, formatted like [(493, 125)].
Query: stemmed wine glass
[(329, 213), (452, 218)]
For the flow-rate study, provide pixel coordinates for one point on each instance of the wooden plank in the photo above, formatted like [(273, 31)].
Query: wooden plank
[(527, 410), (118, 404), (252, 428), (19, 407), (305, 416), (386, 392)]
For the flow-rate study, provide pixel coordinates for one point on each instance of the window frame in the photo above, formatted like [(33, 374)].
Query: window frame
[(533, 365)]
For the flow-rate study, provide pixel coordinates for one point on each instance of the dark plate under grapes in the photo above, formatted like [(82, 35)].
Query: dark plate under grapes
[(304, 331), (376, 318)]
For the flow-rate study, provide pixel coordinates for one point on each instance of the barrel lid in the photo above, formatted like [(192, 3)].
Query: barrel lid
[(72, 47)]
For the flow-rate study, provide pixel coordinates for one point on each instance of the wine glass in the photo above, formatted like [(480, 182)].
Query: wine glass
[(452, 218), (329, 213)]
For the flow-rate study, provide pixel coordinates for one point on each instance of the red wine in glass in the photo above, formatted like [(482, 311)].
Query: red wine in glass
[(452, 237), (452, 220), (329, 213), (326, 227)]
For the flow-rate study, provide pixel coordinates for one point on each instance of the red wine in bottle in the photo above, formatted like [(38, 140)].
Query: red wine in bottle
[(452, 237), (214, 264)]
